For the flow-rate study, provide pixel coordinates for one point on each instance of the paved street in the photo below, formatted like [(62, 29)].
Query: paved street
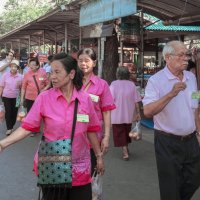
[(124, 180)]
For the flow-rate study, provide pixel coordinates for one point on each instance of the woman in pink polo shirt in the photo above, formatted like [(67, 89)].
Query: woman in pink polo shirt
[(99, 92), (10, 86), (34, 82), (55, 107)]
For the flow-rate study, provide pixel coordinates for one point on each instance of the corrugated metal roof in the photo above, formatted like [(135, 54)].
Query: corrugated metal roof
[(160, 27)]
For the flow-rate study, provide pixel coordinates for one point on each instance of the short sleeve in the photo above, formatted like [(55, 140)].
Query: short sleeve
[(107, 102), (151, 93), (94, 123), (33, 119)]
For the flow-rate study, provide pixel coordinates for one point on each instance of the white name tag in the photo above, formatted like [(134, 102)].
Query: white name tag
[(94, 98), (41, 78), (196, 95), (82, 118)]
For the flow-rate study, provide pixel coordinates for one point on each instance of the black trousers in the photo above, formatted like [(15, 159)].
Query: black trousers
[(75, 193), (29, 104), (178, 164), (11, 112)]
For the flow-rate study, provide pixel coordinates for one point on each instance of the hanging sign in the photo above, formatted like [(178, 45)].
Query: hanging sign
[(97, 11)]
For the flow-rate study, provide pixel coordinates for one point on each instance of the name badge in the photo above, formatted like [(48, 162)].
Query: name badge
[(82, 118), (41, 78), (94, 98), (196, 95)]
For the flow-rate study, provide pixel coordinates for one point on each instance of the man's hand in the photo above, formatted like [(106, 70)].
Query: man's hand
[(177, 88)]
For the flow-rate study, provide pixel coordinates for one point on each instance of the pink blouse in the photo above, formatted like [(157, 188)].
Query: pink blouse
[(57, 114), (29, 85), (102, 99), (11, 84)]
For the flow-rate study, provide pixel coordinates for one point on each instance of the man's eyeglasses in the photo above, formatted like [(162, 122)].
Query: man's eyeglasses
[(181, 55)]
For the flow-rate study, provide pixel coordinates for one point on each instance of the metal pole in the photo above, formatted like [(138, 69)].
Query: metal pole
[(99, 58), (43, 41), (121, 54), (142, 48), (29, 45), (56, 49), (80, 39), (66, 39)]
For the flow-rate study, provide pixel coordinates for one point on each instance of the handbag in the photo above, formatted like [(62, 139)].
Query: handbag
[(54, 160)]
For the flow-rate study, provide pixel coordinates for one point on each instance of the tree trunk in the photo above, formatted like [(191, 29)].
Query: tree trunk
[(111, 59)]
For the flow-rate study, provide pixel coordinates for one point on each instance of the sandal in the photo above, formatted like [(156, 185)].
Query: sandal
[(125, 154)]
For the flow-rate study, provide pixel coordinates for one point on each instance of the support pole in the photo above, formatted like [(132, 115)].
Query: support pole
[(66, 39), (29, 45), (56, 49), (43, 35), (80, 39), (142, 48)]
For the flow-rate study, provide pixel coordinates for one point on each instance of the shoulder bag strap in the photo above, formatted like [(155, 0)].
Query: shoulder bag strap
[(38, 89), (74, 119)]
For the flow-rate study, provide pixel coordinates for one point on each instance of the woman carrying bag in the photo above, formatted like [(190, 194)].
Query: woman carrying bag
[(57, 107)]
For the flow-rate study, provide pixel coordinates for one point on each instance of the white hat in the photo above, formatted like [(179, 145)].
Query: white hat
[(14, 61)]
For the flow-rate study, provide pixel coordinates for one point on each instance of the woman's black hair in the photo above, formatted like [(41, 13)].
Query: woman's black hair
[(34, 59), (88, 51), (69, 64), (92, 54)]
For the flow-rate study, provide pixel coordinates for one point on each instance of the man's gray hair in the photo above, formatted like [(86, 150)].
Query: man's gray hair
[(123, 73), (169, 48)]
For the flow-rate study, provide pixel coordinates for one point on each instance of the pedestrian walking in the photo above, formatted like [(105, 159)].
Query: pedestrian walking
[(34, 82), (169, 99), (126, 99), (100, 94), (4, 64), (56, 107), (10, 86)]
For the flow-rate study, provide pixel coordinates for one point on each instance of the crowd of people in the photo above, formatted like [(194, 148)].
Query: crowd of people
[(76, 105)]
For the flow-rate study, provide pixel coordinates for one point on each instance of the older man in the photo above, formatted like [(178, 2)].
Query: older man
[(4, 64), (170, 100)]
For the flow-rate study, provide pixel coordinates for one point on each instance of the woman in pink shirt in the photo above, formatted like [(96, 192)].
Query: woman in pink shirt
[(55, 107), (126, 99), (10, 86), (34, 82), (99, 92)]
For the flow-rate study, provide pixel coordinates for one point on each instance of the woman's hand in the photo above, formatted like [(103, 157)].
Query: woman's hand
[(100, 164), (105, 145)]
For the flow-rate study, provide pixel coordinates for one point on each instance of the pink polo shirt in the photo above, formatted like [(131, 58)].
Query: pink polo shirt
[(57, 114), (11, 84), (125, 96), (102, 98), (177, 116), (29, 85)]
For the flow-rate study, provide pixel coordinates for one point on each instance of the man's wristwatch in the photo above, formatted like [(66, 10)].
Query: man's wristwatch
[(197, 133)]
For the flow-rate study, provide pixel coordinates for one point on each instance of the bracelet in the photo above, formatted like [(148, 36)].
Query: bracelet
[(100, 155), (197, 133)]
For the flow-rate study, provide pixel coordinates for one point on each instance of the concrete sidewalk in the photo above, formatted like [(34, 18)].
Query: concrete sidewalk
[(135, 179)]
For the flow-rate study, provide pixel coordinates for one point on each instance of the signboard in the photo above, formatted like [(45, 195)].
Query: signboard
[(97, 11)]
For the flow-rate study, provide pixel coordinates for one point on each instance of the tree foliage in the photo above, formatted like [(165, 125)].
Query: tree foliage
[(19, 12)]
